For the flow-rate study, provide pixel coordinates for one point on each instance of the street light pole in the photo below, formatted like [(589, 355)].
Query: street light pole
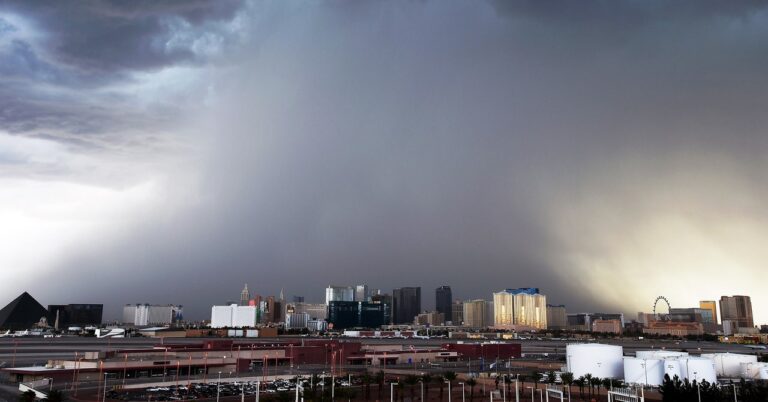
[(734, 392), (462, 392), (392, 391), (517, 390), (218, 387), (698, 386), (504, 389), (258, 390), (541, 395), (533, 397), (105, 387), (449, 390), (297, 388), (422, 390)]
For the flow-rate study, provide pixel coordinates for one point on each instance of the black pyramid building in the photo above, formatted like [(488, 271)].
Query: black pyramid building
[(22, 313)]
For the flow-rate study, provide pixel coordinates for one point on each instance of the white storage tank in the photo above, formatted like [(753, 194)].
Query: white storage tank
[(604, 361), (659, 354), (754, 371), (700, 369), (673, 367), (728, 365), (640, 371)]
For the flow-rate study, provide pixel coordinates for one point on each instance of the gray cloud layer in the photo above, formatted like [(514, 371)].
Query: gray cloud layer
[(68, 66), (479, 145)]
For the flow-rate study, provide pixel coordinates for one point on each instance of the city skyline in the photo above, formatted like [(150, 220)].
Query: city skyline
[(605, 153), (114, 312)]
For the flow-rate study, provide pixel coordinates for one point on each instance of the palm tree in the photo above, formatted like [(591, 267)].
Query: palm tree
[(379, 378), (426, 379), (536, 377), (28, 396), (595, 383), (347, 393), (551, 377), (449, 376), (366, 379), (440, 380), (607, 382), (55, 395), (521, 378), (314, 380), (567, 379), (283, 396), (412, 380), (471, 382), (588, 382), (580, 383)]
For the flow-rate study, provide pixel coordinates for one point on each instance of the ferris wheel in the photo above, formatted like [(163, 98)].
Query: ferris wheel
[(656, 305)]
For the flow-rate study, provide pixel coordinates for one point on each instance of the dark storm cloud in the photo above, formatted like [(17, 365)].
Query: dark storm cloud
[(108, 37), (58, 57), (477, 145)]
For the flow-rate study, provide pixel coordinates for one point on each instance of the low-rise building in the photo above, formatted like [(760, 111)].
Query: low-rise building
[(149, 314), (296, 320), (432, 318), (670, 328), (607, 326), (233, 316)]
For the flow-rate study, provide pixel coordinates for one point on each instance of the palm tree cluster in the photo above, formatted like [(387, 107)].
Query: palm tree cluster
[(590, 382), (674, 389)]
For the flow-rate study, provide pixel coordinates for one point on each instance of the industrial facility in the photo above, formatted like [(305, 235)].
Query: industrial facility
[(649, 367)]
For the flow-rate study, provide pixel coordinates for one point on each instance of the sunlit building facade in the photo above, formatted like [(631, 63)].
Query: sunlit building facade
[(710, 305), (475, 313), (339, 293), (737, 309), (523, 307)]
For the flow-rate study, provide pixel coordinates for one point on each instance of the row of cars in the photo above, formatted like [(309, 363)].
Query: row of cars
[(212, 389)]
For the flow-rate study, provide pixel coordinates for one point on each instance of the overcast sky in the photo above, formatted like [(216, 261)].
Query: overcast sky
[(607, 152)]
